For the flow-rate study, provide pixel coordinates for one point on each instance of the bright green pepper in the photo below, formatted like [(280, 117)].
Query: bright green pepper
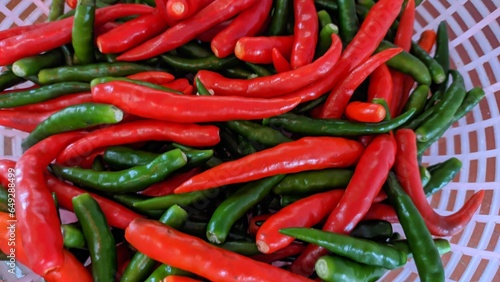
[(32, 65), (82, 34), (333, 268), (310, 182)]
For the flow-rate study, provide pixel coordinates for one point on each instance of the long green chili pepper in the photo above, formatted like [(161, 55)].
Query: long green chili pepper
[(194, 50), (125, 181), (376, 230), (327, 4), (333, 268), (368, 4), (324, 18), (310, 182), (164, 202), (347, 20), (140, 265), (417, 99), (73, 236), (279, 19), (143, 83), (442, 245), (129, 201), (241, 247), (98, 164), (229, 211), (245, 147), (257, 133), (442, 48), (425, 253), (82, 35), (325, 39), (442, 174), (56, 9), (331, 127), (306, 107), (435, 69), (32, 65), (239, 72), (424, 175), (418, 120), (9, 79), (258, 69), (207, 63)]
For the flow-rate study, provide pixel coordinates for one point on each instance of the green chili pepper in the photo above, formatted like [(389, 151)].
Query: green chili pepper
[(322, 127), (32, 65), (288, 199), (82, 35), (259, 69), (164, 202), (73, 236), (193, 50), (442, 49), (98, 164), (442, 174), (368, 4), (86, 73), (100, 241), (257, 133), (279, 19), (327, 4), (241, 247), (244, 146), (72, 118), (425, 253), (229, 211), (125, 181), (347, 19), (333, 268), (424, 175), (206, 63), (100, 80), (324, 18), (442, 245), (435, 69), (383, 102), (359, 250), (41, 94), (4, 199), (56, 9), (67, 54), (306, 107), (129, 200), (310, 182), (239, 72), (140, 265), (376, 230), (407, 63), (9, 79), (163, 271), (417, 121), (417, 99), (325, 39)]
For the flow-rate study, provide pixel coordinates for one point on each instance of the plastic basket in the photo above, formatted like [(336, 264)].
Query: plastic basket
[(474, 48)]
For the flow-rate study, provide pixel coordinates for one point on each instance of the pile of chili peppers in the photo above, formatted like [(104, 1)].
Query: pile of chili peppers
[(204, 140)]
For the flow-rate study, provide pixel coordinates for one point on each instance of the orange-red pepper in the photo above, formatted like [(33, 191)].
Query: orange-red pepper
[(365, 112), (258, 49)]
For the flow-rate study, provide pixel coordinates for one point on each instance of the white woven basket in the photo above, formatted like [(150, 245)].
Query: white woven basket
[(475, 49)]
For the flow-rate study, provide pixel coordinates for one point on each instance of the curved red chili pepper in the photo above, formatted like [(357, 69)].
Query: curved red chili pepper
[(279, 61), (210, 34), (369, 176), (253, 227), (305, 33), (369, 36), (137, 131), (131, 34), (274, 85), (70, 269), (24, 120), (287, 251), (304, 213), (14, 31), (169, 246), (179, 84), (258, 50), (58, 33), (380, 84), (339, 97), (181, 33), (36, 214), (168, 186), (100, 30), (58, 103), (7, 227), (182, 9), (156, 77), (381, 212), (248, 23), (407, 172), (89, 160), (145, 102), (365, 112), (308, 153)]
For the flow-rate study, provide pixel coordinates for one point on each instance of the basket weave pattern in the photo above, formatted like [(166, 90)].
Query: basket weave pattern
[(474, 29)]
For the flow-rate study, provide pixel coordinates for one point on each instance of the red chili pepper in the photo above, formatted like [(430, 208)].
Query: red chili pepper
[(179, 84), (248, 23), (58, 103), (279, 61), (210, 34), (253, 227), (137, 131), (58, 33), (183, 32), (156, 77), (176, 278), (14, 31), (70, 269), (369, 36), (274, 85), (369, 176), (406, 163), (380, 84), (306, 212), (382, 212), (168, 186), (169, 246), (7, 231), (121, 268), (87, 161), (131, 34), (6, 166), (308, 153), (100, 30), (23, 120), (258, 49), (35, 211), (72, 3), (305, 33), (339, 97), (290, 250), (365, 112), (183, 9), (145, 102)]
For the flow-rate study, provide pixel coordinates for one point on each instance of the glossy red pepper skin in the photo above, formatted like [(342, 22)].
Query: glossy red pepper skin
[(279, 61), (137, 131), (365, 112), (5, 234), (58, 33), (156, 77), (210, 34), (253, 228), (306, 212), (258, 50), (117, 215), (274, 85), (308, 153), (410, 180), (169, 246), (175, 278), (381, 212), (305, 33), (145, 102), (248, 23), (23, 120), (184, 31), (179, 84), (369, 36), (37, 216), (131, 33), (380, 84), (70, 269), (182, 9), (58, 103), (14, 31), (369, 176), (288, 251), (106, 28), (168, 186), (339, 97)]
